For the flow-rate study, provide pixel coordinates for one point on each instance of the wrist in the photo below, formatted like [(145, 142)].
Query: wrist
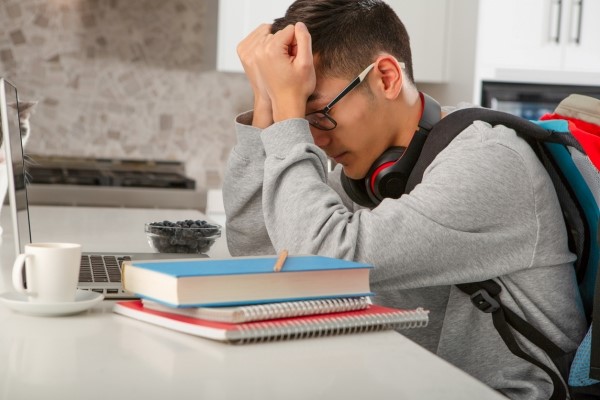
[(287, 110), (263, 113)]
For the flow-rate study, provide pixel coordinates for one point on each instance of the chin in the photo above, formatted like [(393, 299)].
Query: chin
[(353, 174)]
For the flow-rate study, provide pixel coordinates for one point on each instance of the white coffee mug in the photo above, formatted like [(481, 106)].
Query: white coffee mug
[(51, 272)]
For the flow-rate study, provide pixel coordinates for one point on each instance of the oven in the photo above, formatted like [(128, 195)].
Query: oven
[(529, 100)]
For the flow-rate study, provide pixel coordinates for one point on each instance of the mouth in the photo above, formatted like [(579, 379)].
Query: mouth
[(339, 157)]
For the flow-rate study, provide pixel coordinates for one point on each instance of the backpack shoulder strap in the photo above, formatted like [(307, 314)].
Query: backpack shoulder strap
[(485, 295), (454, 123)]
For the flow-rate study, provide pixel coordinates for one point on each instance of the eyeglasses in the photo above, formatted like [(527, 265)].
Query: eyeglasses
[(321, 119)]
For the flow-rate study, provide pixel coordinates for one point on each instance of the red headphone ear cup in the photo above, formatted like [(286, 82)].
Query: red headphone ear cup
[(356, 189), (391, 183), (390, 179), (382, 164)]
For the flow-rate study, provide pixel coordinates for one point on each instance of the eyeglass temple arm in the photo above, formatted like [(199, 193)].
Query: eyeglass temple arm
[(348, 88)]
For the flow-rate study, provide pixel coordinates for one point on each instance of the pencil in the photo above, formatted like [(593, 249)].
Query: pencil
[(280, 260)]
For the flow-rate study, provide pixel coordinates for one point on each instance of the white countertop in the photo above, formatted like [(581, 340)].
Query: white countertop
[(99, 355), (107, 229)]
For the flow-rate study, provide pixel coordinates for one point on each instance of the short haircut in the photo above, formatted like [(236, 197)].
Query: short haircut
[(347, 35)]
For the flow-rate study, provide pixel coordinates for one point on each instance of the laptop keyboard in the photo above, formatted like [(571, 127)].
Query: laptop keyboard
[(97, 268)]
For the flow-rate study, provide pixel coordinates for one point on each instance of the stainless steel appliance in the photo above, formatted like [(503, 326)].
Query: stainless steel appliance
[(529, 100), (84, 181)]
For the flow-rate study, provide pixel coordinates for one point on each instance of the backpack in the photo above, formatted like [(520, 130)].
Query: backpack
[(559, 145)]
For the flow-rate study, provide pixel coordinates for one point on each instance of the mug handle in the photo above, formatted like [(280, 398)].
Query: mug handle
[(17, 274)]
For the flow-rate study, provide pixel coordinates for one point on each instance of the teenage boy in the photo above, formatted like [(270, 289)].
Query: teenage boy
[(485, 208)]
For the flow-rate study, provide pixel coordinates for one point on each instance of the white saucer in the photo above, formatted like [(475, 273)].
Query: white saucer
[(84, 299)]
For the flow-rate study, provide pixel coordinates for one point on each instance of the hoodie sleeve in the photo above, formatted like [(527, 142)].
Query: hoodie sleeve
[(242, 193)]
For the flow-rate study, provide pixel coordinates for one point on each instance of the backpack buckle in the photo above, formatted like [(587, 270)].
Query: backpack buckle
[(483, 301)]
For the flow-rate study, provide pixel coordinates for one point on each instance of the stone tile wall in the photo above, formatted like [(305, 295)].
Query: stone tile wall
[(124, 79)]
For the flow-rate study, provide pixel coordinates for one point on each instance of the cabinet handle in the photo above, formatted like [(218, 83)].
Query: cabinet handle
[(555, 10), (577, 37)]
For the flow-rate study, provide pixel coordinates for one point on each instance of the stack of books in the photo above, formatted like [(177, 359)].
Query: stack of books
[(244, 299)]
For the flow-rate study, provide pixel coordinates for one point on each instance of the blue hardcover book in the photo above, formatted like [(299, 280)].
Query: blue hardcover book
[(244, 280)]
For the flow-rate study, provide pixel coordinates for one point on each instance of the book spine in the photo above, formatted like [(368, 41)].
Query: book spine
[(272, 330), (299, 308)]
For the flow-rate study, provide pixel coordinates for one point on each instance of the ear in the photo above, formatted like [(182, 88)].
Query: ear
[(389, 76)]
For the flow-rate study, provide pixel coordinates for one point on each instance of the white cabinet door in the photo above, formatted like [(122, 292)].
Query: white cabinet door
[(519, 34), (425, 21), (237, 18), (546, 40), (582, 39)]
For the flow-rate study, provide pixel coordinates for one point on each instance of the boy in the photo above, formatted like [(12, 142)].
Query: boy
[(485, 208)]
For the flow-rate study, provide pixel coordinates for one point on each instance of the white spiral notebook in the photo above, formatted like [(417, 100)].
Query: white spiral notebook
[(261, 312), (373, 318)]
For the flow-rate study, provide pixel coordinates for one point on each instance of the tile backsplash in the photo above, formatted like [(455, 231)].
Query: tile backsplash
[(124, 79)]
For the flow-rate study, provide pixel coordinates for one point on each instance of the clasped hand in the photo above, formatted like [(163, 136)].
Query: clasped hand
[(281, 71)]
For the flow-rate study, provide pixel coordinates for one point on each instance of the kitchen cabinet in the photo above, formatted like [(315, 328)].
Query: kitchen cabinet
[(559, 36), (582, 52), (425, 21), (237, 18)]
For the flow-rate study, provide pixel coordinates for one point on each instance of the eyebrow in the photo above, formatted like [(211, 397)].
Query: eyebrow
[(314, 97)]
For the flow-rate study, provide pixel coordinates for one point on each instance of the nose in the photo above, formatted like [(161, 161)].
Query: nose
[(321, 138)]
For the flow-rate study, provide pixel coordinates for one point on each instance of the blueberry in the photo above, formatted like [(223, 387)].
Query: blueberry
[(177, 237)]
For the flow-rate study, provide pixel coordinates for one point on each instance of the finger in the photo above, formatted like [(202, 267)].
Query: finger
[(303, 43), (260, 33), (261, 30), (284, 38), (255, 37)]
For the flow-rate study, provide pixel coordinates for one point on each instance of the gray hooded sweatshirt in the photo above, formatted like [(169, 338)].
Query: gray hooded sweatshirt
[(486, 208)]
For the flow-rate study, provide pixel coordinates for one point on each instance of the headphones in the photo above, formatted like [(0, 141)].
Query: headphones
[(389, 173)]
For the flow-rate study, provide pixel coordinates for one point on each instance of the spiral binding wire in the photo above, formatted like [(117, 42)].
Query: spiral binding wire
[(299, 329), (301, 308)]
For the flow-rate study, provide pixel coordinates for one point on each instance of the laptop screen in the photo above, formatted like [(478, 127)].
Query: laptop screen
[(14, 165)]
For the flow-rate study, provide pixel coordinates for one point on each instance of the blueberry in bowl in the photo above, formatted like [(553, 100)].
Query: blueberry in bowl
[(182, 236)]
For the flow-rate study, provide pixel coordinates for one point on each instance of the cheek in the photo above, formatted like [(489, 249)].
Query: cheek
[(365, 149), (362, 156), (320, 138)]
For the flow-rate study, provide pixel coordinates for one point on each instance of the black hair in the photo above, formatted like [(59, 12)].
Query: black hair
[(347, 35)]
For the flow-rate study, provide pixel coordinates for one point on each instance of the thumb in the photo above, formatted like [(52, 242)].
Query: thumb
[(304, 43)]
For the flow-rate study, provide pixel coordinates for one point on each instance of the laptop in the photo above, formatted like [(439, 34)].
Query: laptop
[(99, 272)]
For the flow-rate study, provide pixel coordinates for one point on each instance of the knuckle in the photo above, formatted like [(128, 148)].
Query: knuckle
[(306, 66)]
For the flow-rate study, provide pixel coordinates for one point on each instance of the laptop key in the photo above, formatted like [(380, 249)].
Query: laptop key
[(101, 268)]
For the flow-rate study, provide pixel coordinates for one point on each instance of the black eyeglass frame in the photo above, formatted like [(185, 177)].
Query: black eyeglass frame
[(324, 112)]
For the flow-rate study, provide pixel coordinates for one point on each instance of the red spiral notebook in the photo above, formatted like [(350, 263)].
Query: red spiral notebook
[(373, 318)]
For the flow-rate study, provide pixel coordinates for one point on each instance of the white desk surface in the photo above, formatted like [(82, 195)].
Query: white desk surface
[(101, 355)]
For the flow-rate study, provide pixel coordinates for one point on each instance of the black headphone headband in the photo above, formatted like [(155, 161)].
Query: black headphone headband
[(432, 113), (388, 175)]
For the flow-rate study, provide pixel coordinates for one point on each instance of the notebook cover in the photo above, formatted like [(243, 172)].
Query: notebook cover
[(373, 318), (244, 265), (246, 302), (263, 312)]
